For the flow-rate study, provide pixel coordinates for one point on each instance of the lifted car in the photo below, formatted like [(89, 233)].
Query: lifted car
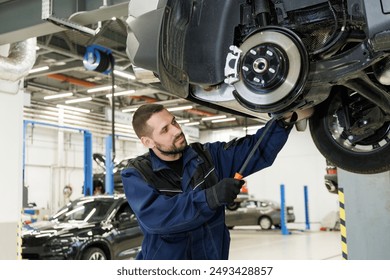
[(117, 169), (272, 57)]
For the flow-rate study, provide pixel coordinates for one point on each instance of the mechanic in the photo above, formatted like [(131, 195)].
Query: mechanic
[(178, 191)]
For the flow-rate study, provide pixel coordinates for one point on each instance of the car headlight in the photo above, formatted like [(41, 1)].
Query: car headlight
[(61, 245)]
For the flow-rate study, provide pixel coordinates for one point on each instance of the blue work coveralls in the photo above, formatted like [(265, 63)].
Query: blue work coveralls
[(182, 226)]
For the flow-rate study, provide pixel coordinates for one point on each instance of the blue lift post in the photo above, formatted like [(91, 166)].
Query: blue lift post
[(305, 190), (88, 176), (109, 184), (283, 211), (88, 188)]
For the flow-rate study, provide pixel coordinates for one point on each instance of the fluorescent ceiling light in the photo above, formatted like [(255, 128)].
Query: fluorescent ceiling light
[(254, 127), (60, 63), (182, 121), (192, 123), (38, 69), (135, 107), (213, 118), (77, 100), (73, 108), (60, 95), (125, 126), (224, 120), (124, 75), (97, 89), (126, 92), (180, 108), (129, 110)]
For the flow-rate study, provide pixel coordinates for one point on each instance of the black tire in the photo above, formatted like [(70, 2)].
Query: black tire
[(371, 158), (233, 206), (94, 253), (265, 222)]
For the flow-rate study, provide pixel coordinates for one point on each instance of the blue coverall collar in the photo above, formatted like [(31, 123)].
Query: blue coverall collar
[(158, 164)]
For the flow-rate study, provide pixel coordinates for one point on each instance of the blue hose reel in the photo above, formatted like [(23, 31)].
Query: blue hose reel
[(99, 59)]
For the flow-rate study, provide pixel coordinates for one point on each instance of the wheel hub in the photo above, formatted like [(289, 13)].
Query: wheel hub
[(260, 65), (264, 67)]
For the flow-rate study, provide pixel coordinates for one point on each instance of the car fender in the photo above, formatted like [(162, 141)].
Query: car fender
[(96, 242)]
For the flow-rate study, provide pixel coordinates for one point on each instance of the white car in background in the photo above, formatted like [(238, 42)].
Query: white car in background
[(265, 213)]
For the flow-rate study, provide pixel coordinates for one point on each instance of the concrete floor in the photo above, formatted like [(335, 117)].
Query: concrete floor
[(252, 243)]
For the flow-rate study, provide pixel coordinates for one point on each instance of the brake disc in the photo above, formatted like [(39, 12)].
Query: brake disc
[(270, 69)]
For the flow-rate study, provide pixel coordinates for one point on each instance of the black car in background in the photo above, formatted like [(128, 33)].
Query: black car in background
[(89, 228)]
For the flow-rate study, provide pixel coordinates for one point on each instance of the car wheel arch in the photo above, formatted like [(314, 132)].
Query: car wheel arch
[(101, 245)]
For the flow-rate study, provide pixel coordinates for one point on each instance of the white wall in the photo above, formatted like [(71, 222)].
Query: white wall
[(11, 123), (298, 164), (51, 163)]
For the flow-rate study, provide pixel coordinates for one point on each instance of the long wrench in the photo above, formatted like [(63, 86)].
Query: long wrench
[(238, 174)]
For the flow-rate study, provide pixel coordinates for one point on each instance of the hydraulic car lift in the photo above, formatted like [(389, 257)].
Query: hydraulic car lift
[(364, 215)]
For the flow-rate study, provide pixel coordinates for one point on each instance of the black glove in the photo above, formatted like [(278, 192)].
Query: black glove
[(224, 192), (288, 124)]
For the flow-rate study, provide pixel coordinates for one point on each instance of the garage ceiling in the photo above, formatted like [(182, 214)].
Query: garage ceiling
[(61, 53)]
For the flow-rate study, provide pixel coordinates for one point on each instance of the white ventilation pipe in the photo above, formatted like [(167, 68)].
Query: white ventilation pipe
[(19, 61)]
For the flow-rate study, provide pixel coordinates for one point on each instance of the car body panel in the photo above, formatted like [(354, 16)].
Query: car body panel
[(81, 225)]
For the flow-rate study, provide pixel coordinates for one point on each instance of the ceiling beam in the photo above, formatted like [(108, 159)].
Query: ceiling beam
[(23, 19)]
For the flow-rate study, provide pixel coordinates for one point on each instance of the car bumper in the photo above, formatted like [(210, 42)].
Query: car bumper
[(41, 253)]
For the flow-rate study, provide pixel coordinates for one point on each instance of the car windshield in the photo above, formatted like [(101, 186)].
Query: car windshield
[(83, 210), (271, 203), (258, 203), (249, 204)]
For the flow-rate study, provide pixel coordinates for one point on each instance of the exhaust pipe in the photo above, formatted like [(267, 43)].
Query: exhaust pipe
[(21, 58)]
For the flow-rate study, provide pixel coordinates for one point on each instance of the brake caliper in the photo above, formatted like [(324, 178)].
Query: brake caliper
[(231, 65)]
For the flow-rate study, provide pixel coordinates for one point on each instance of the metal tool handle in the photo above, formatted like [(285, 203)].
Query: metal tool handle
[(239, 174)]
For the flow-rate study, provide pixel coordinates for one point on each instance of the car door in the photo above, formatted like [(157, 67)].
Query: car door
[(249, 214), (128, 235), (233, 218)]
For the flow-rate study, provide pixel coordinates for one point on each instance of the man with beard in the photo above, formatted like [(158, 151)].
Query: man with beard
[(178, 191)]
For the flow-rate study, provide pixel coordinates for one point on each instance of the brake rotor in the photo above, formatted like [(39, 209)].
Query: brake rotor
[(273, 69)]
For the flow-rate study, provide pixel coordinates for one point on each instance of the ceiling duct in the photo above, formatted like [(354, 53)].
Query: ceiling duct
[(19, 61)]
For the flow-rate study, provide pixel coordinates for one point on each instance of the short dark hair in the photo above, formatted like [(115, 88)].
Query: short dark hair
[(142, 115)]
